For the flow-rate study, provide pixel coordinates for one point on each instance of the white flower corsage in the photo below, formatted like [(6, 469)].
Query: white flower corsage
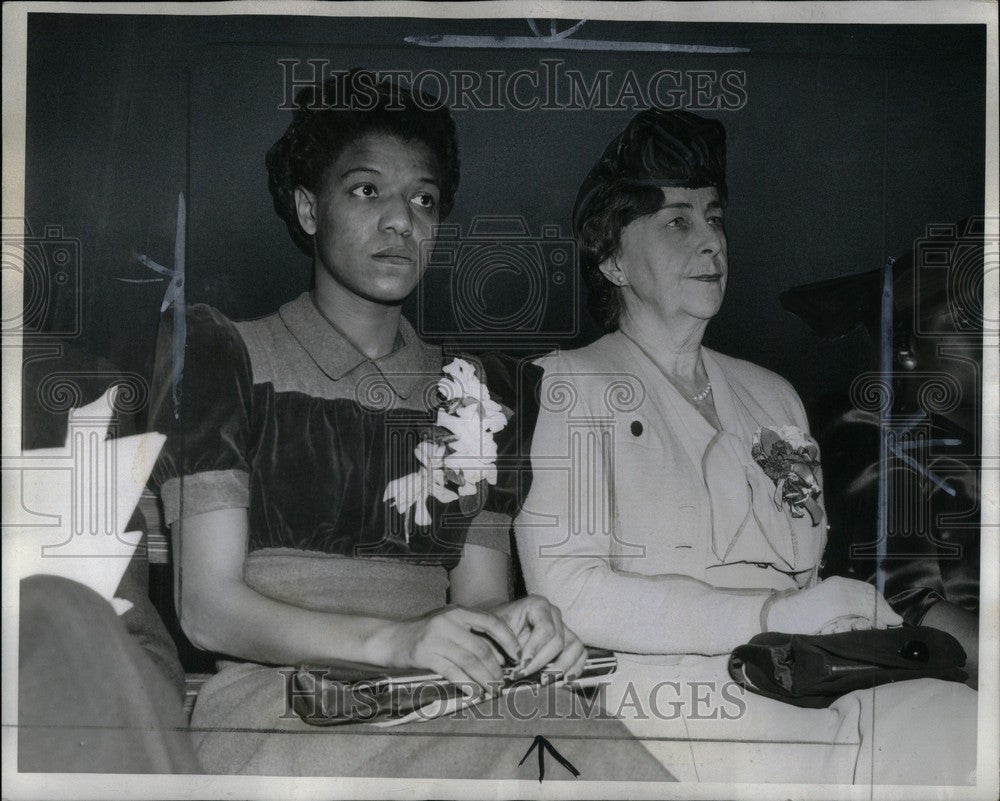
[(460, 452)]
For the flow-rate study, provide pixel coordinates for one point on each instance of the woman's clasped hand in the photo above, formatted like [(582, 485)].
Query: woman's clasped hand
[(835, 605), (470, 648), (546, 642)]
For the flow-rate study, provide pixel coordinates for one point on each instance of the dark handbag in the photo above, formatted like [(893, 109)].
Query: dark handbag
[(814, 670)]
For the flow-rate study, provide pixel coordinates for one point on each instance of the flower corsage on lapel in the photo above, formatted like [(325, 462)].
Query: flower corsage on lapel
[(459, 453), (790, 458)]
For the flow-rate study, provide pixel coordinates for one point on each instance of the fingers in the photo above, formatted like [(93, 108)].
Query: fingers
[(836, 604), (836, 626), (475, 654), (844, 623), (863, 600), (465, 671), (515, 615), (495, 628), (448, 643), (466, 658), (484, 674), (450, 671), (546, 642), (469, 648), (875, 609), (570, 662)]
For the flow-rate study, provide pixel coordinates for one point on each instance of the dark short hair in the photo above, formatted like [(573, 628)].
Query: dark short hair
[(658, 148), (330, 116)]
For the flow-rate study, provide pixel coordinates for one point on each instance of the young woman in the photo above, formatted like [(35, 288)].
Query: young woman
[(289, 430)]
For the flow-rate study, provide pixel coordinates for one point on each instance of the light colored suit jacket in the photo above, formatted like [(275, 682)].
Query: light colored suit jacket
[(652, 531)]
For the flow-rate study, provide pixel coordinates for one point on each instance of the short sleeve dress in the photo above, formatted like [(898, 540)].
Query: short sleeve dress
[(282, 416)]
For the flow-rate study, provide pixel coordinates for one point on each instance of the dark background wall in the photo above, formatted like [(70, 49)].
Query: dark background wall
[(851, 140)]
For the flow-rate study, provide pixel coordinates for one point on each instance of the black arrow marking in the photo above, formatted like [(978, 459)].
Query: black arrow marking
[(544, 745)]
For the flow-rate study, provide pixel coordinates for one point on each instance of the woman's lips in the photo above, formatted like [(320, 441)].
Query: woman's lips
[(708, 279)]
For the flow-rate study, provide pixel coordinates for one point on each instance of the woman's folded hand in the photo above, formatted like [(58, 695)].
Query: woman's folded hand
[(837, 604), (470, 648), (545, 640), (466, 646)]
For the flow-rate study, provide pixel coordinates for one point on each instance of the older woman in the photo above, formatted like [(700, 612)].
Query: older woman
[(651, 524), (285, 435)]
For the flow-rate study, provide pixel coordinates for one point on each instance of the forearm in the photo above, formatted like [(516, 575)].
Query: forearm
[(220, 612), (481, 578), (665, 614), (240, 622)]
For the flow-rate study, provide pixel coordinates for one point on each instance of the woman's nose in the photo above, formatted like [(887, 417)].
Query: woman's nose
[(396, 216), (713, 239)]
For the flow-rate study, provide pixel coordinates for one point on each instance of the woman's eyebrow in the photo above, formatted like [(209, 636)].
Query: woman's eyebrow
[(712, 204), (359, 169), (364, 169)]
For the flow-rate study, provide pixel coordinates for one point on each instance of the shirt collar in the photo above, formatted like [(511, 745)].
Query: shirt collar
[(411, 365)]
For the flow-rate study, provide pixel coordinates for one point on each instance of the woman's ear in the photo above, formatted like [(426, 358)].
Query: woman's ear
[(305, 207), (610, 269)]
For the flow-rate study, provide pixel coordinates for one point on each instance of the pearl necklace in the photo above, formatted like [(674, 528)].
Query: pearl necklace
[(701, 395), (698, 397)]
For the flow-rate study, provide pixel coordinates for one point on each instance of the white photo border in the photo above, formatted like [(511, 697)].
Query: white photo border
[(121, 786)]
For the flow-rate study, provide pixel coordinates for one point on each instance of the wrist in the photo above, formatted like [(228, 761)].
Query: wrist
[(377, 644), (493, 605), (767, 608)]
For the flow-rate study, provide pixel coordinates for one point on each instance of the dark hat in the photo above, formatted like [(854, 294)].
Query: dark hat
[(658, 147)]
